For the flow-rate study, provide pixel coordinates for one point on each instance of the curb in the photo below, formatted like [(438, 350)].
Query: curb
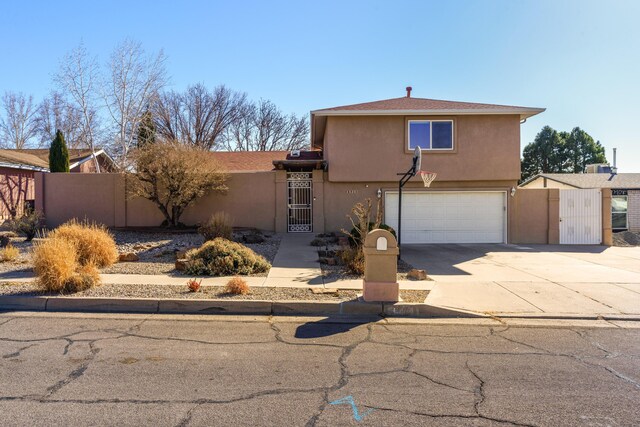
[(212, 306), (346, 309)]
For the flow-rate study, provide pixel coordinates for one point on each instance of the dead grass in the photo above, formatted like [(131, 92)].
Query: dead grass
[(94, 244), (55, 262), (220, 224), (87, 276), (237, 286), (9, 253), (353, 259)]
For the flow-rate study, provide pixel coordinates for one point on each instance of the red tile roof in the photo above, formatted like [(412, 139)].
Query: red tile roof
[(424, 105), (254, 161)]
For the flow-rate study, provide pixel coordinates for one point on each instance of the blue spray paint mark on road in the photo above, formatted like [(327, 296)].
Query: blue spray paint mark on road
[(349, 401)]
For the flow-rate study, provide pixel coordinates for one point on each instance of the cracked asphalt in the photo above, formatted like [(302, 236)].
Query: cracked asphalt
[(89, 369)]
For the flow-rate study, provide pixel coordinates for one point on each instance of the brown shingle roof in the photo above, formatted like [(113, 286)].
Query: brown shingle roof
[(594, 180), (23, 157), (254, 161), (75, 154), (408, 105)]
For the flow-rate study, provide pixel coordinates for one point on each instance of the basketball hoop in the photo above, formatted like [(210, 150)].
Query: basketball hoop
[(427, 177)]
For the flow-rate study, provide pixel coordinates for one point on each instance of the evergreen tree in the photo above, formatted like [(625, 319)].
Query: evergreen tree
[(560, 152), (58, 154), (146, 130)]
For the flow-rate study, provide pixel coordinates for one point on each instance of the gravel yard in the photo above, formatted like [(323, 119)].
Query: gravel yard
[(156, 251), (207, 292)]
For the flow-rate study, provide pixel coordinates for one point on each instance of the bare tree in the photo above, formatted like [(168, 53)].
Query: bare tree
[(132, 85), (19, 123), (56, 113), (264, 127), (198, 117), (14, 188), (78, 77), (173, 176)]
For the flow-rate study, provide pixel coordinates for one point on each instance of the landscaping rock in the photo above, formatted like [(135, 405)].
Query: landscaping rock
[(181, 253), (182, 264), (253, 238), (128, 257), (4, 241), (416, 274)]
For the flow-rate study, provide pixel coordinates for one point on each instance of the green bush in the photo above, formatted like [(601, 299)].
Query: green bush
[(222, 257), (356, 239)]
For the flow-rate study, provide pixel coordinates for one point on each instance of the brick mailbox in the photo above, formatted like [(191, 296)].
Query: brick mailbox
[(380, 267)]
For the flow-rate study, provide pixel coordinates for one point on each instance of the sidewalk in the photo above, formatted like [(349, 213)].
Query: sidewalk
[(296, 265)]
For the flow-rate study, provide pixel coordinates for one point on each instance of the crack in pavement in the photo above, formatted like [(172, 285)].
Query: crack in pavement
[(17, 353), (76, 373), (454, 416)]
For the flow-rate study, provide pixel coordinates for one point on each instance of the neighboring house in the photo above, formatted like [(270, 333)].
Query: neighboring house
[(356, 152), (17, 169), (625, 191)]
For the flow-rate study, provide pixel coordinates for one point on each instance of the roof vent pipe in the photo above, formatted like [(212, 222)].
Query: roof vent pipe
[(409, 88), (614, 169)]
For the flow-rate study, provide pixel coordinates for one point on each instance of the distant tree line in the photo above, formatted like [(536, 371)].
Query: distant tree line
[(560, 152), (125, 102)]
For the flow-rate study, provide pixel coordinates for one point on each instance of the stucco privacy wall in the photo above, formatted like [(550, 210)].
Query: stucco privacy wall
[(534, 217), (250, 201), (486, 148)]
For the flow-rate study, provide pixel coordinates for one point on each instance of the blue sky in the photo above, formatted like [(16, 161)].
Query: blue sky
[(578, 59)]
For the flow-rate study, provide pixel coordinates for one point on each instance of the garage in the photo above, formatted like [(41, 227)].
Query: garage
[(449, 217)]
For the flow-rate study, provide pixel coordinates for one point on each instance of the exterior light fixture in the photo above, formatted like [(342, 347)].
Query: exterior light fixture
[(379, 193), (513, 191)]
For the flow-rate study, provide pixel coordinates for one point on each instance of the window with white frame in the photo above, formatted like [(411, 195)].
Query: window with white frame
[(431, 134), (619, 213)]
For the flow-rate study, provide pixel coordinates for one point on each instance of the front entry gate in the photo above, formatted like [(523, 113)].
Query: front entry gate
[(299, 202)]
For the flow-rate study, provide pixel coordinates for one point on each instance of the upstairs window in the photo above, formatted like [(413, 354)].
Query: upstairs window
[(431, 134)]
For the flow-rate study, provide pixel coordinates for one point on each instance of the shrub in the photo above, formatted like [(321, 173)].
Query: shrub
[(356, 240), (221, 257), (237, 286), (219, 224), (353, 259), (28, 224), (94, 244), (194, 285), (55, 262), (9, 253)]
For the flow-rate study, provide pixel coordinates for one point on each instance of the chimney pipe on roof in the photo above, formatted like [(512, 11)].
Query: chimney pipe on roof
[(614, 169), (409, 88)]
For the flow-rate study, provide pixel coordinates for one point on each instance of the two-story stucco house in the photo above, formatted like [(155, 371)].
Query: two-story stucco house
[(474, 149), (356, 152)]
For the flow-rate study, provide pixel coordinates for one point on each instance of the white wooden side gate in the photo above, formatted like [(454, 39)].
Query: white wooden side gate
[(581, 217)]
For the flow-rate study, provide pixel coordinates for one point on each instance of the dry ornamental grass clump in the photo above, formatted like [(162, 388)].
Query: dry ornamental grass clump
[(221, 257), (94, 244), (237, 286), (55, 262), (69, 259), (219, 224), (9, 253)]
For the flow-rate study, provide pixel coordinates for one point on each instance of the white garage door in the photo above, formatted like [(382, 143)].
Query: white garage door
[(449, 217)]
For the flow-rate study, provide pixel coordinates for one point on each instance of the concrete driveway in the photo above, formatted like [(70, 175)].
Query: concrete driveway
[(531, 279)]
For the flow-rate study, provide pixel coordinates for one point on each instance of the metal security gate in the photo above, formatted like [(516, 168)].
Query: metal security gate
[(300, 202), (581, 217)]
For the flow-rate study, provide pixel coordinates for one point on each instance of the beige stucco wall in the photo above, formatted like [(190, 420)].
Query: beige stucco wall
[(373, 148), (250, 201), (534, 217)]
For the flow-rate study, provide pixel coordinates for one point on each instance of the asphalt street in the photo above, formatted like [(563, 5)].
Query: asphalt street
[(136, 370)]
